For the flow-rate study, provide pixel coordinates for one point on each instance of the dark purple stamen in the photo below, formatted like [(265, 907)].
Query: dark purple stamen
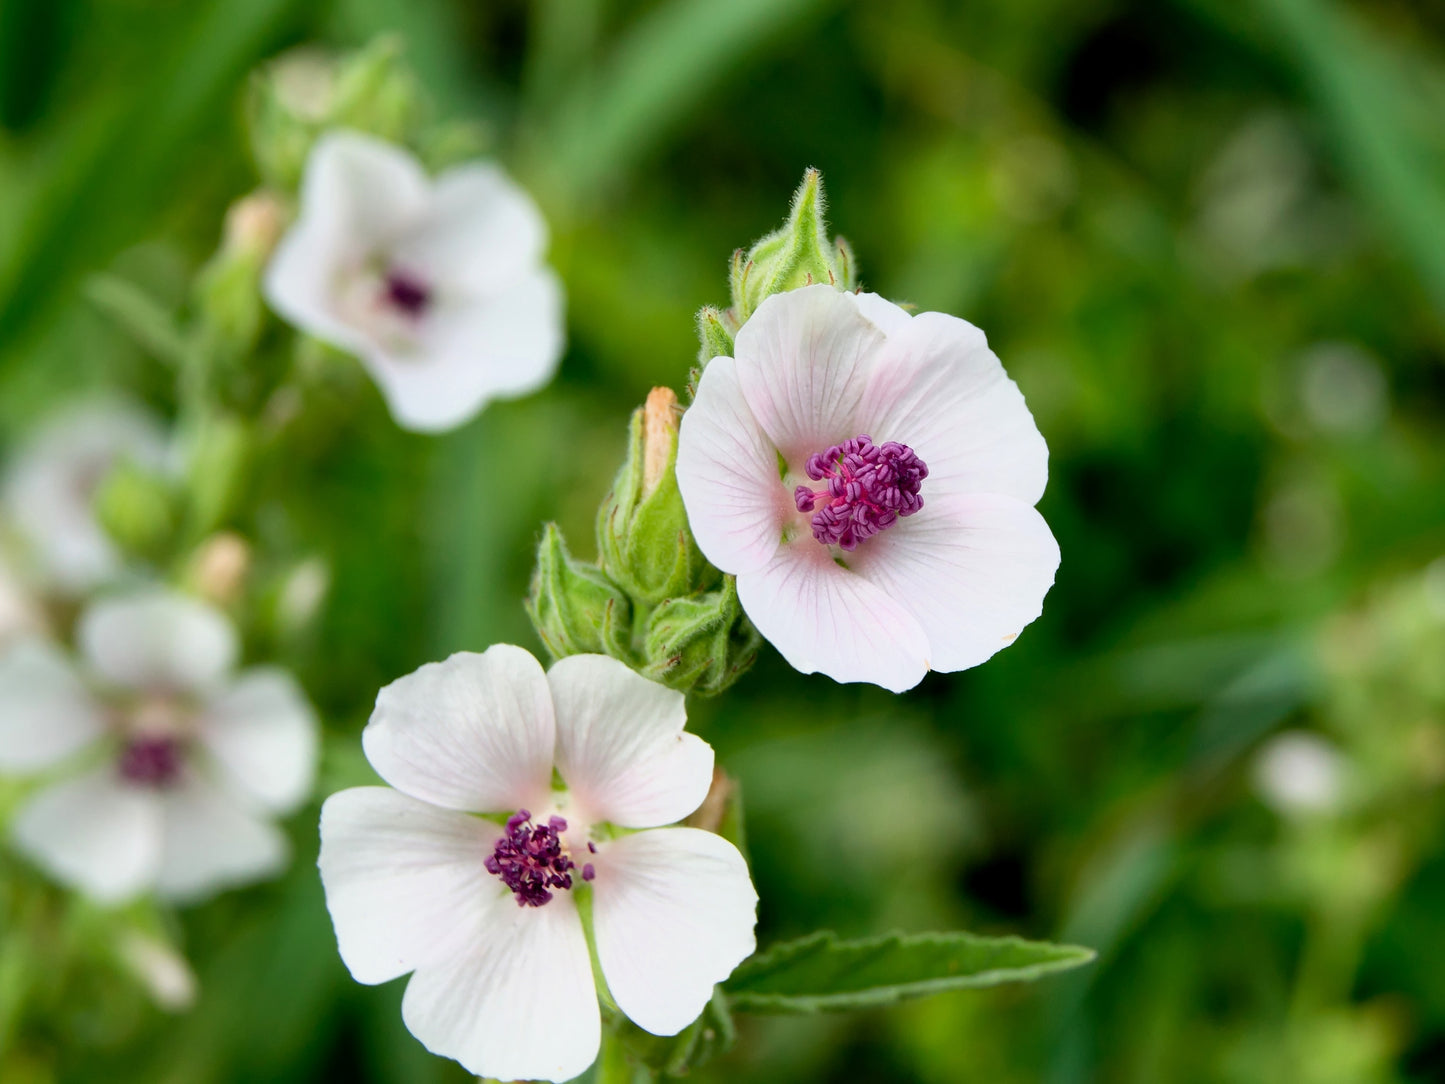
[(407, 293), (151, 762), (529, 859), (869, 487)]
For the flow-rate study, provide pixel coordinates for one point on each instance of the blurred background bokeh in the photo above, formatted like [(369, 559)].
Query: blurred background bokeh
[(1207, 238)]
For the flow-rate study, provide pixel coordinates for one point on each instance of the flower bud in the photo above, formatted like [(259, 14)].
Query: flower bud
[(798, 254), (228, 289), (701, 643), (301, 94), (643, 540), (219, 465), (219, 568), (137, 509), (575, 608)]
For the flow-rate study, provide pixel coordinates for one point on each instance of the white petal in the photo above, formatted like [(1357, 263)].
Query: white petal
[(972, 570), (939, 389), (46, 712), (673, 912), (263, 734), (19, 613), (480, 231), (404, 880), (52, 480), (473, 733), (95, 832), (825, 619), (727, 470), (211, 841), (621, 746), (474, 348), (158, 639), (519, 1004), (803, 361), (359, 197), (882, 312)]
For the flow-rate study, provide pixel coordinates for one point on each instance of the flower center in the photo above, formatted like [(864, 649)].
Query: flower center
[(151, 761), (406, 293), (868, 487), (531, 860)]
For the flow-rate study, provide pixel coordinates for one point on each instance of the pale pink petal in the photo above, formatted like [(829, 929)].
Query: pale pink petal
[(479, 233), (518, 1003), (474, 733), (972, 570), (882, 312), (95, 832), (46, 712), (939, 389), (620, 744), (263, 735), (473, 349), (212, 841), (824, 618), (673, 912), (728, 473), (158, 640), (803, 361), (359, 197), (405, 881)]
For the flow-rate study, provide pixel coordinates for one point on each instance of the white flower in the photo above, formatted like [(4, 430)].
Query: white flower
[(438, 286), (51, 484), (870, 478), (181, 764), (483, 912), (1299, 773)]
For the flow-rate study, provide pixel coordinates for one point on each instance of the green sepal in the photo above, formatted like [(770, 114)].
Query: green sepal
[(711, 1034), (820, 973), (798, 254), (574, 606), (714, 338), (700, 643), (643, 539), (137, 508), (149, 323)]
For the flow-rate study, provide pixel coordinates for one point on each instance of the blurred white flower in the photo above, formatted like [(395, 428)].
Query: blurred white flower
[(185, 763), (870, 477), (1343, 389), (1298, 772), (437, 286), (51, 484), (482, 912)]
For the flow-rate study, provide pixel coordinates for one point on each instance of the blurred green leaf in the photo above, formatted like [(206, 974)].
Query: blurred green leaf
[(820, 973), (141, 316)]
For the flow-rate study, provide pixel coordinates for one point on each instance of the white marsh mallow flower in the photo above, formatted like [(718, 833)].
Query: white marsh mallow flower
[(437, 286), (482, 908), (179, 764), (870, 477), (50, 488)]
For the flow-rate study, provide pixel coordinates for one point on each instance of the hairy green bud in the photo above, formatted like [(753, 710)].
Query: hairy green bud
[(137, 508), (702, 643), (574, 606), (798, 254), (643, 540)]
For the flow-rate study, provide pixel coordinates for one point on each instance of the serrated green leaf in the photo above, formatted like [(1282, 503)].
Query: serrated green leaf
[(820, 973)]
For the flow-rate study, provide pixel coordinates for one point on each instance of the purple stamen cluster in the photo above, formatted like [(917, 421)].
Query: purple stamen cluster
[(406, 293), (530, 861), (151, 762), (869, 487)]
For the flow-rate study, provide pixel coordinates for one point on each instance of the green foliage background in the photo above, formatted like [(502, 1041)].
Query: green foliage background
[(1172, 218)]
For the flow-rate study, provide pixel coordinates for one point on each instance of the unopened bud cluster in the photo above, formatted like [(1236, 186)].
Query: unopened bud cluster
[(651, 600)]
